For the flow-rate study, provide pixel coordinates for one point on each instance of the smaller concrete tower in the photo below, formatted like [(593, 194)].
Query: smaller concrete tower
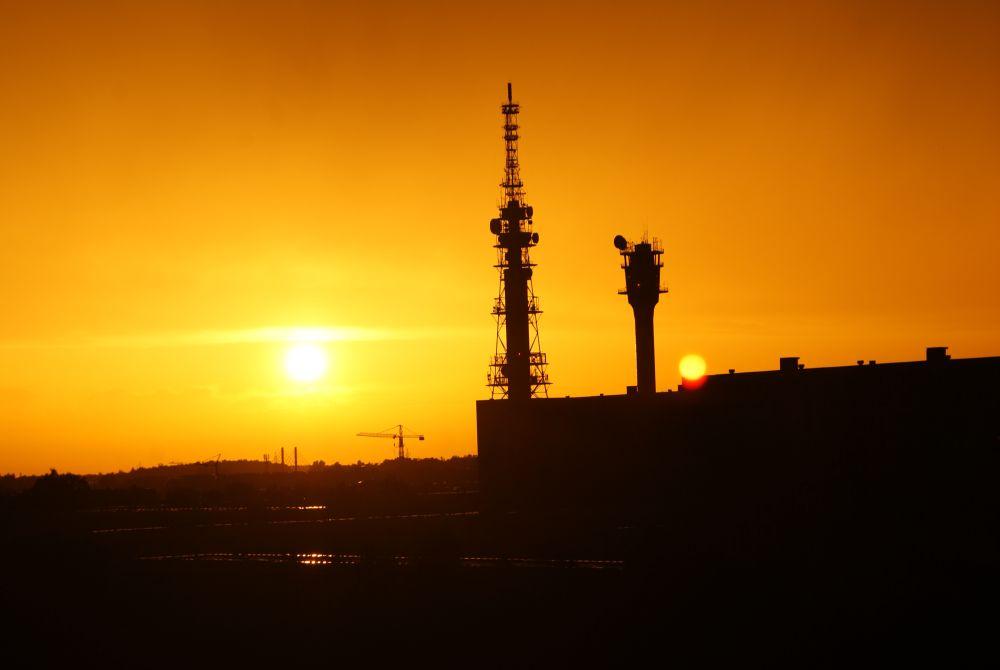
[(642, 265)]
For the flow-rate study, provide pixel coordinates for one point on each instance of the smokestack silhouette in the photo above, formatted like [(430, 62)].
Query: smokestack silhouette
[(642, 265)]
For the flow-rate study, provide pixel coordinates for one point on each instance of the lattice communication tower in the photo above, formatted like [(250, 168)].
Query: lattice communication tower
[(518, 368)]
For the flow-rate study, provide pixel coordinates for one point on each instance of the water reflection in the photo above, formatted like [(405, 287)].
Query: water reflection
[(221, 508), (282, 522), (316, 558)]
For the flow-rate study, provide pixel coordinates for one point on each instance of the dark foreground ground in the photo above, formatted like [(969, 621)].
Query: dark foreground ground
[(441, 583)]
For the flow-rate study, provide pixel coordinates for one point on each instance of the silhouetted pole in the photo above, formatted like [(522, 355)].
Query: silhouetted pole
[(645, 352), (642, 286)]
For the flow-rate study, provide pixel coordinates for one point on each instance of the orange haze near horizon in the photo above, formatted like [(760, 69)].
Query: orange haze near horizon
[(186, 187)]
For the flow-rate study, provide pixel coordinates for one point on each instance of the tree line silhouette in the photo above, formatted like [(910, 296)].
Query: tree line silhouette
[(243, 483)]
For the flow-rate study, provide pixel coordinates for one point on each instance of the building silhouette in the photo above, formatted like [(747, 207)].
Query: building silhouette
[(794, 439), (753, 454)]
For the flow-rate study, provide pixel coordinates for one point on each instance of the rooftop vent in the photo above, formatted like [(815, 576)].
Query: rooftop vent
[(937, 354), (788, 363)]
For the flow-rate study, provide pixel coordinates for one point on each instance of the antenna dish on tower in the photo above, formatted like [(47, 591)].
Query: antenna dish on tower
[(517, 370)]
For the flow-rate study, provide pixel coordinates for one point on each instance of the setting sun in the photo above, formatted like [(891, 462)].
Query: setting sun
[(692, 367), (306, 362)]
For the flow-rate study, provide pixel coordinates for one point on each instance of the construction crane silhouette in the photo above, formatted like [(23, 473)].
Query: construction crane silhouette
[(397, 434)]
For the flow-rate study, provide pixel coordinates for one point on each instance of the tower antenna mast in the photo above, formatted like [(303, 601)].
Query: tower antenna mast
[(518, 368)]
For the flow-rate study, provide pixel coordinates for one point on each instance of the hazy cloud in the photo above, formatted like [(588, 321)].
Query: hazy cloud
[(264, 335)]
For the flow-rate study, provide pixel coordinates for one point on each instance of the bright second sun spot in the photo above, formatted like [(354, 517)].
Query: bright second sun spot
[(692, 367), (306, 362)]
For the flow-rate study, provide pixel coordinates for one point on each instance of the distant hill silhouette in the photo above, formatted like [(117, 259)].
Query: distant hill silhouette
[(242, 482)]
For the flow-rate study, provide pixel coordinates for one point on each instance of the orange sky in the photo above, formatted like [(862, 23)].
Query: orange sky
[(184, 184)]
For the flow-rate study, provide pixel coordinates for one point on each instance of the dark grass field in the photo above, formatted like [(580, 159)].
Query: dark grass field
[(457, 587)]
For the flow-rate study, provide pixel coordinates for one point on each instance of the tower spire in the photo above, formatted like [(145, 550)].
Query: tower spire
[(518, 368)]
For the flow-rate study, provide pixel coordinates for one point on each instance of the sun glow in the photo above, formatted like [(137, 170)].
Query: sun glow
[(692, 367), (306, 362)]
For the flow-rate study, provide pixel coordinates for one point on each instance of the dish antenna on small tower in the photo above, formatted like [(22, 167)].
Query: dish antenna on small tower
[(642, 264)]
